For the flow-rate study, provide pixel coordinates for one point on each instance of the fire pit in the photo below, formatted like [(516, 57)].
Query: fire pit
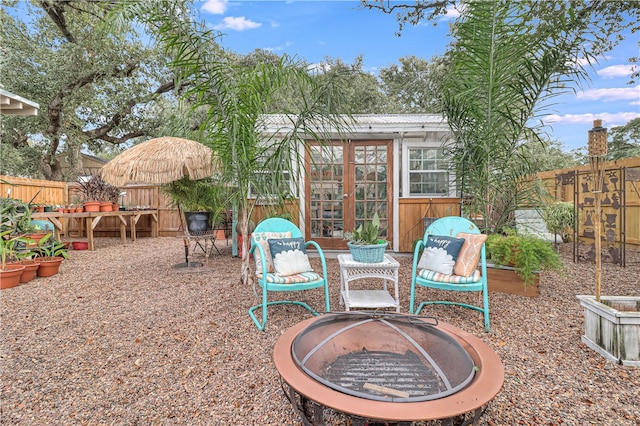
[(389, 367)]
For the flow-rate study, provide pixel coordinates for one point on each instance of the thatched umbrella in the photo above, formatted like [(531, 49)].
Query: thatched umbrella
[(160, 161)]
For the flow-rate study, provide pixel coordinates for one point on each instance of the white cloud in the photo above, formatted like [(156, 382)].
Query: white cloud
[(585, 62), (216, 7), (453, 12), (237, 23), (611, 94), (587, 119), (615, 71), (280, 48)]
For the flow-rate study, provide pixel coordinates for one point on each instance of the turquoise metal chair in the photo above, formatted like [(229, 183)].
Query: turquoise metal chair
[(300, 283), (451, 226)]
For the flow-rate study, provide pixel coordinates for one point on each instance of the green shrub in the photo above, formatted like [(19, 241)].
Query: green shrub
[(527, 254), (559, 218)]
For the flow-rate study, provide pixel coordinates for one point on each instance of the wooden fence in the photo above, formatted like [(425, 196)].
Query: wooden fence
[(621, 204), (36, 191)]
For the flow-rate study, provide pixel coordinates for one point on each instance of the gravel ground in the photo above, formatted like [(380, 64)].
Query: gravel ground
[(119, 337)]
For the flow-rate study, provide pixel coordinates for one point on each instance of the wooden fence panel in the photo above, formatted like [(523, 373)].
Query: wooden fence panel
[(411, 212), (35, 190)]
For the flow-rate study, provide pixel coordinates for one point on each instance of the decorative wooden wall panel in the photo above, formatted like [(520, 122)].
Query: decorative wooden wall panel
[(620, 205)]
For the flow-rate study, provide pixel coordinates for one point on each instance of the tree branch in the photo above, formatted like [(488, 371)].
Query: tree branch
[(55, 10), (411, 13), (102, 131), (54, 109)]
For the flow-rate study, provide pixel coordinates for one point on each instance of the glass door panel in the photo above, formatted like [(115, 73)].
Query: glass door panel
[(325, 193), (371, 184), (348, 183)]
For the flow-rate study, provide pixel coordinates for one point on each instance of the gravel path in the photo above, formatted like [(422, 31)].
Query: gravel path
[(119, 337)]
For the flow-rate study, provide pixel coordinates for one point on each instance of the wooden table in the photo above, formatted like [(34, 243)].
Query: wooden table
[(91, 220)]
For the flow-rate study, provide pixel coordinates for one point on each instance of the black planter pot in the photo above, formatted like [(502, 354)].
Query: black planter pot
[(198, 222)]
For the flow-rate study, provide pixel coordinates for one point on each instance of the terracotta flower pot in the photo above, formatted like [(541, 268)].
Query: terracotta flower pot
[(92, 206), (106, 207), (30, 270), (48, 265), (36, 237), (80, 245), (10, 277)]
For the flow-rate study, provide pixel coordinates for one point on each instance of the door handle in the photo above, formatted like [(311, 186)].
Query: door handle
[(345, 195)]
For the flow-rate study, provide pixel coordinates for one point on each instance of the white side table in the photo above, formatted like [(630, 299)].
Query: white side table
[(351, 270)]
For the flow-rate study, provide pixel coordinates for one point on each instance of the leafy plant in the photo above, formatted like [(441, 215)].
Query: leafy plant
[(15, 222), (10, 247), (15, 216), (559, 218), (527, 254), (97, 189), (369, 234), (49, 247), (198, 195), (503, 69)]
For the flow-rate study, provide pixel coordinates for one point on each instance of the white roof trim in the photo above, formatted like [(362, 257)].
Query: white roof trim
[(11, 104), (370, 124)]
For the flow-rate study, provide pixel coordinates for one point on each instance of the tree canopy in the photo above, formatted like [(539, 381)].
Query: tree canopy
[(96, 85), (103, 87)]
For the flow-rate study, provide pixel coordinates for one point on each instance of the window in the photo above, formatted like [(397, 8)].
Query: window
[(426, 173), (285, 188)]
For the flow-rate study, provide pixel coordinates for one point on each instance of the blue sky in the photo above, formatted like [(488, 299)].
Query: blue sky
[(312, 30)]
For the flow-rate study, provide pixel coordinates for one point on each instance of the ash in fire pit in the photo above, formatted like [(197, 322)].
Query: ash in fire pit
[(388, 357)]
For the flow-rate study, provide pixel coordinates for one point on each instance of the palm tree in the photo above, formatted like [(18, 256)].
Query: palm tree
[(235, 99), (504, 68)]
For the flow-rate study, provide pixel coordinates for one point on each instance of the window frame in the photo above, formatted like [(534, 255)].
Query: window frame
[(407, 172)]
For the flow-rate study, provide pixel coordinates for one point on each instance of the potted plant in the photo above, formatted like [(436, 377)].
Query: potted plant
[(526, 254), (112, 194), (77, 200), (11, 271), (201, 201), (559, 218), (98, 193), (365, 243), (49, 254), (14, 216)]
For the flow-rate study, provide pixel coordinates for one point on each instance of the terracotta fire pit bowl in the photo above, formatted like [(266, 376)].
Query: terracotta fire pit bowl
[(389, 367)]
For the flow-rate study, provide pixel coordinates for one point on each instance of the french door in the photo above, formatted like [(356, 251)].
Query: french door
[(348, 182)]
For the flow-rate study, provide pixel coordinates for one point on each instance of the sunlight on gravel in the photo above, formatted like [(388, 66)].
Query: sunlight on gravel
[(121, 337)]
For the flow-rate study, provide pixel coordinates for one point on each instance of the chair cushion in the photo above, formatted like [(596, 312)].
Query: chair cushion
[(469, 253), (440, 253), (305, 277), (289, 256), (447, 278), (262, 238)]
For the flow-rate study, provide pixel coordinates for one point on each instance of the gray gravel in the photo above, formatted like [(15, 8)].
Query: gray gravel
[(119, 337)]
